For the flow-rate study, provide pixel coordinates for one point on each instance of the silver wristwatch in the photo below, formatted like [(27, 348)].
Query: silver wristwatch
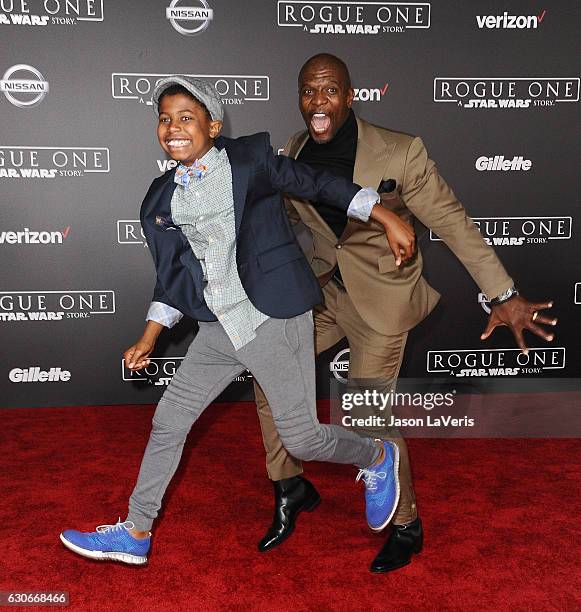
[(504, 296)]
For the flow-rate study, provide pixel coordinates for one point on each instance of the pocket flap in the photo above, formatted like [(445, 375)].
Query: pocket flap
[(278, 256), (386, 263)]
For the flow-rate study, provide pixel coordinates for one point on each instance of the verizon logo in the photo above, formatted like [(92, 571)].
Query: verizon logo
[(510, 22), (364, 94), (28, 236)]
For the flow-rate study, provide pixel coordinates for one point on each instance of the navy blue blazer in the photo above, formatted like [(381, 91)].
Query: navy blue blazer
[(274, 272)]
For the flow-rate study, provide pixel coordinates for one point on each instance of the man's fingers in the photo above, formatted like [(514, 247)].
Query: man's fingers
[(539, 331), (520, 340), (545, 320), (541, 305), (489, 329)]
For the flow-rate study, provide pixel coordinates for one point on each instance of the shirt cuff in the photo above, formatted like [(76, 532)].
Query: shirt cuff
[(362, 203), (163, 314)]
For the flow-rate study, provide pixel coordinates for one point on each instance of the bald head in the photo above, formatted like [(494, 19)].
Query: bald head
[(325, 95), (322, 60)]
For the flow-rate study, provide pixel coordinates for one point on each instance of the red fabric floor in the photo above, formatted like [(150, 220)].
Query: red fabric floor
[(500, 518)]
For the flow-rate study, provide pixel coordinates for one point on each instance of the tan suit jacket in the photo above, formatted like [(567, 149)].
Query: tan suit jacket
[(389, 299)]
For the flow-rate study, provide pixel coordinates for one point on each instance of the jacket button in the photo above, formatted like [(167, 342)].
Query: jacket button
[(338, 246)]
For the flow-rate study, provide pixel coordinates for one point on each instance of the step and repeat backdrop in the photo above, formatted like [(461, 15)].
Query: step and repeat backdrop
[(492, 87)]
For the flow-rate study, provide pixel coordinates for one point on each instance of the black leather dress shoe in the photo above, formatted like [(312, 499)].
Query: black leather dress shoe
[(401, 544), (291, 496)]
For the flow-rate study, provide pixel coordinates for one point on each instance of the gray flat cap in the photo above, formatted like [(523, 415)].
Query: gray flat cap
[(201, 90)]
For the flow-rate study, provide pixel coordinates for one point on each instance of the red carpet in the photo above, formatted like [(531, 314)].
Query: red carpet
[(500, 518)]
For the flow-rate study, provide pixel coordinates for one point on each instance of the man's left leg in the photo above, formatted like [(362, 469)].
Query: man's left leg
[(374, 363)]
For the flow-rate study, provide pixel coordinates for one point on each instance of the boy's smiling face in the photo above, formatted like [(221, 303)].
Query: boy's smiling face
[(185, 130)]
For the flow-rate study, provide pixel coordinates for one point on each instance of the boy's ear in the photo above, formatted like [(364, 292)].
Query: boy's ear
[(215, 128)]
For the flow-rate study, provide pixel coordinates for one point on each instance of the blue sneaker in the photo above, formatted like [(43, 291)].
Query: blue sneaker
[(381, 488), (109, 542)]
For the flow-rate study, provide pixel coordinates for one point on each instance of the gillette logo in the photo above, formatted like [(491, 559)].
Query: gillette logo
[(35, 374)]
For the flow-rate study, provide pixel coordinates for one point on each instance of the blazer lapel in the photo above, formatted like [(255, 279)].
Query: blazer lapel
[(372, 156), (371, 159), (296, 144), (240, 174), (157, 208)]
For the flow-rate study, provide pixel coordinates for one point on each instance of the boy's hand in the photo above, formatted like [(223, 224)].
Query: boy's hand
[(137, 356), (400, 234)]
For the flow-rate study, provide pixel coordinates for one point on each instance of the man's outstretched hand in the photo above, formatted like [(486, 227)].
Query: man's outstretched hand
[(520, 314)]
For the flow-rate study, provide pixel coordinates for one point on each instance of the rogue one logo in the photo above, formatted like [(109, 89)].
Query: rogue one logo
[(24, 86), (55, 12), (161, 370), (339, 17), (519, 231), (201, 15), (232, 89), (51, 162), (55, 305), (495, 362), (129, 231), (506, 92)]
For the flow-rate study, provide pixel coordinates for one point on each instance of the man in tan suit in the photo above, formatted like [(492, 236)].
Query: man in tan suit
[(369, 298)]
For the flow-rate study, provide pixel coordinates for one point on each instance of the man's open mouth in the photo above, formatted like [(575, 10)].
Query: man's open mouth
[(320, 122)]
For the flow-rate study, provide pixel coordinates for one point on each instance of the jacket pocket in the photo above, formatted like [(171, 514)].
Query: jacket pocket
[(386, 263), (278, 256)]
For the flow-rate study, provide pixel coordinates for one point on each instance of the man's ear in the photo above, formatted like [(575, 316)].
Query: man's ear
[(350, 96), (215, 128)]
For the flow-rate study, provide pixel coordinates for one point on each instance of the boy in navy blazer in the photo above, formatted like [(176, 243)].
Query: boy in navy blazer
[(226, 256)]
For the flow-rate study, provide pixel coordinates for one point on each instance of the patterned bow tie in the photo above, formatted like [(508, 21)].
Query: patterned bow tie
[(184, 174)]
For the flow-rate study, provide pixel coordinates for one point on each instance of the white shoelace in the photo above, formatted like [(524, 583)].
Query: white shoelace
[(370, 478), (117, 527)]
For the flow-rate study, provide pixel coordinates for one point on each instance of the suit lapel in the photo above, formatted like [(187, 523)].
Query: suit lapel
[(371, 159), (296, 144), (240, 174), (372, 156), (158, 203)]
